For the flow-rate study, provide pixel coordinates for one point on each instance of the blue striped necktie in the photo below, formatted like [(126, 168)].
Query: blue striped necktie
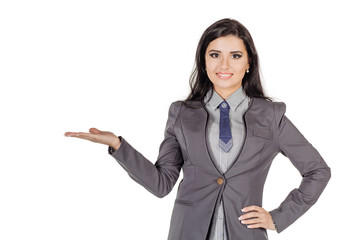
[(225, 140)]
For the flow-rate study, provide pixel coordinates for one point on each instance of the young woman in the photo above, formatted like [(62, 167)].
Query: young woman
[(224, 137)]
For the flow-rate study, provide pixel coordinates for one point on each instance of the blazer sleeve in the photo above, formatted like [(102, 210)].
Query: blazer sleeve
[(158, 178), (313, 169)]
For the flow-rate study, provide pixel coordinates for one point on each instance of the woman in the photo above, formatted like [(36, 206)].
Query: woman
[(224, 137)]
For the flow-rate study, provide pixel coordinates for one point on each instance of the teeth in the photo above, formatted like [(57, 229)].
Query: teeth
[(224, 75)]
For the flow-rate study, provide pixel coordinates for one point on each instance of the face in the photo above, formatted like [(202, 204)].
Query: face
[(226, 62)]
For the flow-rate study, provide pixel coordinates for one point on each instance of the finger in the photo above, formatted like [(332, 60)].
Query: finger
[(257, 225), (78, 134), (252, 208), (249, 215), (94, 130), (87, 136), (71, 134), (90, 137), (67, 134), (252, 221)]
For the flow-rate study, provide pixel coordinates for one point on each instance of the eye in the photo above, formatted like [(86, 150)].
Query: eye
[(214, 55), (236, 56)]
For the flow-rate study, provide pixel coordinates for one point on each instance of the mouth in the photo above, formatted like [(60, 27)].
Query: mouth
[(224, 75)]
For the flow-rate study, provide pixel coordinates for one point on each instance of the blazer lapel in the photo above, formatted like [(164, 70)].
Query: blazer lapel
[(194, 125), (257, 121)]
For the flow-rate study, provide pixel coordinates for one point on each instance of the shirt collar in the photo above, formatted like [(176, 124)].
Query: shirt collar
[(234, 100)]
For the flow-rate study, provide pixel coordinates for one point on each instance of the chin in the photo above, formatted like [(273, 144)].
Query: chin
[(227, 86)]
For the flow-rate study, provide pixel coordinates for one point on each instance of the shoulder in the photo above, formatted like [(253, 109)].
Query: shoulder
[(277, 109), (176, 104), (263, 103), (187, 104), (186, 108), (175, 108)]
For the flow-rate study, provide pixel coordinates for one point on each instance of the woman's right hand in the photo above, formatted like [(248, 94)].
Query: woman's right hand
[(95, 135)]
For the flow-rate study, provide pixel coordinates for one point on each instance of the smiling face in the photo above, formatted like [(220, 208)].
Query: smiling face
[(226, 62)]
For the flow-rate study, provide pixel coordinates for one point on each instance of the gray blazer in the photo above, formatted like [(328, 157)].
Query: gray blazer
[(268, 132)]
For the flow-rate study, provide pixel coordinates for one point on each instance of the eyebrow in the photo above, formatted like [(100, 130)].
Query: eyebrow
[(218, 51)]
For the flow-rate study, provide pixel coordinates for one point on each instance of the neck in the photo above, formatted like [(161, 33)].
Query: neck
[(225, 93)]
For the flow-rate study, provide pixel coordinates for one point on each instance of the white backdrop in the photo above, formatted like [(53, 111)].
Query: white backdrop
[(118, 65)]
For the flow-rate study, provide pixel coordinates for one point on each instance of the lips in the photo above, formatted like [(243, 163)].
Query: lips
[(224, 75)]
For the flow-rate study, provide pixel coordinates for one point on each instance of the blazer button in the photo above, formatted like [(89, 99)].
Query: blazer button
[(220, 181)]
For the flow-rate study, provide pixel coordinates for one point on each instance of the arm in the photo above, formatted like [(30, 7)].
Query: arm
[(309, 163), (158, 178)]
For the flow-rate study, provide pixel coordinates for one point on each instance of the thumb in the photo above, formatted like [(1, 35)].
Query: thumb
[(94, 130)]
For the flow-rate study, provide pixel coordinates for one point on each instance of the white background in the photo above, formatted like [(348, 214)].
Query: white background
[(118, 65)]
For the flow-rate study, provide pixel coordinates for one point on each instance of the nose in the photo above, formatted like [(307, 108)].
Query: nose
[(224, 63)]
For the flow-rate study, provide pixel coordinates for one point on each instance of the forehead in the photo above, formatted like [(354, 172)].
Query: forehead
[(227, 44)]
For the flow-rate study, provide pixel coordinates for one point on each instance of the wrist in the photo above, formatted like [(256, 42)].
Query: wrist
[(116, 143)]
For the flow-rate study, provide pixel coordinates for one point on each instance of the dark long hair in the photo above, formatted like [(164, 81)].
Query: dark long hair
[(200, 83)]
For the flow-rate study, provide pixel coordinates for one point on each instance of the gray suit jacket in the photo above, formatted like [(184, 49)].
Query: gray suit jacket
[(268, 132)]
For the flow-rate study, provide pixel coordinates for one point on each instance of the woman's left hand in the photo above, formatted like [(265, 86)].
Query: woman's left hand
[(260, 218)]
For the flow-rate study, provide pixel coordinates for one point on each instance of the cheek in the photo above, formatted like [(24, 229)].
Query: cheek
[(211, 63), (242, 75), (242, 68), (207, 65), (211, 69)]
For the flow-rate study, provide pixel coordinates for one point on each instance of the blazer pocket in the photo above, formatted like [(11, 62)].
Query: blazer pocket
[(184, 202), (262, 132)]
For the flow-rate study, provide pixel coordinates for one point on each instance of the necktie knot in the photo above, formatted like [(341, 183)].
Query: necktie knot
[(224, 105)]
